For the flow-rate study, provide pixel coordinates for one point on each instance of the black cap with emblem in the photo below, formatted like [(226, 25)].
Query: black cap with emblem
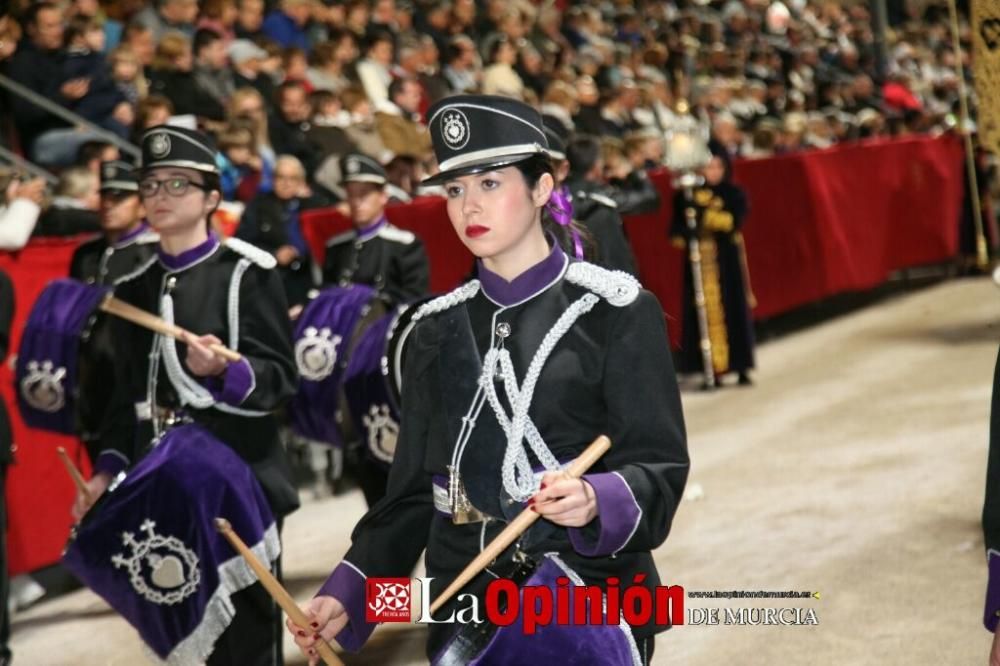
[(169, 146), (473, 133), (360, 168), (118, 176)]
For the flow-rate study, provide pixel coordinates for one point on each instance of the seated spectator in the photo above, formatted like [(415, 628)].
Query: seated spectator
[(126, 72), (39, 64), (326, 70), (246, 104), (329, 121), (103, 104), (558, 107), (220, 17), (152, 111), (286, 25), (165, 16), (211, 66), (375, 69), (74, 206), (362, 130), (295, 66), (398, 122), (240, 166), (249, 19), (248, 60), (461, 68), (139, 39), (21, 207), (171, 76), (500, 77), (289, 126), (271, 222)]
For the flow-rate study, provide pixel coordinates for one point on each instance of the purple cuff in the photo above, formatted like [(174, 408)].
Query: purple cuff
[(347, 585), (991, 614), (110, 461), (236, 384), (618, 517)]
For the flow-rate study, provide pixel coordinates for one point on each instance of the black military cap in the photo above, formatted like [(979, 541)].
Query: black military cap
[(473, 133), (166, 146), (118, 175), (359, 168), (557, 147)]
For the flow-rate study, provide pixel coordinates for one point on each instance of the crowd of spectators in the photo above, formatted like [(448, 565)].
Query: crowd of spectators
[(314, 79)]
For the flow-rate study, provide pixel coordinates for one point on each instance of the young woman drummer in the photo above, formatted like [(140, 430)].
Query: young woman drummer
[(226, 290), (507, 378)]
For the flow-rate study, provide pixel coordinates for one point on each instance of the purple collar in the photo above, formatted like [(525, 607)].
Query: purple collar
[(372, 230), (188, 258), (132, 235), (528, 284)]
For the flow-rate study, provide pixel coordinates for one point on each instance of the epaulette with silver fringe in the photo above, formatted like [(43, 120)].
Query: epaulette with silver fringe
[(616, 287), (458, 295), (396, 234), (262, 258)]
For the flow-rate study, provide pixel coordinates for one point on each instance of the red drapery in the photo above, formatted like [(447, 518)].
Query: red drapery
[(820, 224)]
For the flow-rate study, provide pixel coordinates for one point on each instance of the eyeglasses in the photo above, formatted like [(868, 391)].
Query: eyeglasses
[(175, 187)]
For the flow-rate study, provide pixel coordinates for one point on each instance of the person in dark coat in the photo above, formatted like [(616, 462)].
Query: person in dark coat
[(375, 252), (271, 222), (594, 208), (225, 290), (507, 377), (125, 245), (721, 210)]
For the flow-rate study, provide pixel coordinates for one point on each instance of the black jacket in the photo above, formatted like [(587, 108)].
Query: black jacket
[(393, 261), (610, 373), (598, 214), (202, 304)]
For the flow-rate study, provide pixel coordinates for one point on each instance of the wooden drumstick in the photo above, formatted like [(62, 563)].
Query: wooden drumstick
[(120, 308), (274, 588), (74, 474), (519, 525)]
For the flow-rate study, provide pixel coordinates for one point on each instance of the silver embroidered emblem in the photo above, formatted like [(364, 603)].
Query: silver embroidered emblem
[(162, 569), (42, 386), (353, 166), (383, 432), (316, 353), (109, 171), (159, 145), (455, 129)]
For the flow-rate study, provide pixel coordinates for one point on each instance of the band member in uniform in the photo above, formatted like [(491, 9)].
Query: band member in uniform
[(508, 377), (6, 458), (721, 209), (375, 252), (126, 241), (594, 208), (229, 292)]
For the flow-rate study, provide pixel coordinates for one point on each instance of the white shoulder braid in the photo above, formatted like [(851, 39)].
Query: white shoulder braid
[(341, 237), (392, 233), (616, 287), (458, 295), (138, 271), (262, 258)]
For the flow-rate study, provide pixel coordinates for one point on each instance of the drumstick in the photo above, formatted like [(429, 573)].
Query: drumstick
[(120, 308), (74, 473), (274, 588), (519, 525)]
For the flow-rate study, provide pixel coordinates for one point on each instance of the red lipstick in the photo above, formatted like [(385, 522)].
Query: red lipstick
[(475, 230)]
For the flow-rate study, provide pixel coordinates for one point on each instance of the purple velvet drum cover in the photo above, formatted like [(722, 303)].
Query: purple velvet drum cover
[(48, 359), (323, 336), (149, 547)]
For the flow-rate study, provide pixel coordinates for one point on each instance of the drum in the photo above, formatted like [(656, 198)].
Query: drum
[(150, 549), (49, 360), (326, 332), (373, 382)]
